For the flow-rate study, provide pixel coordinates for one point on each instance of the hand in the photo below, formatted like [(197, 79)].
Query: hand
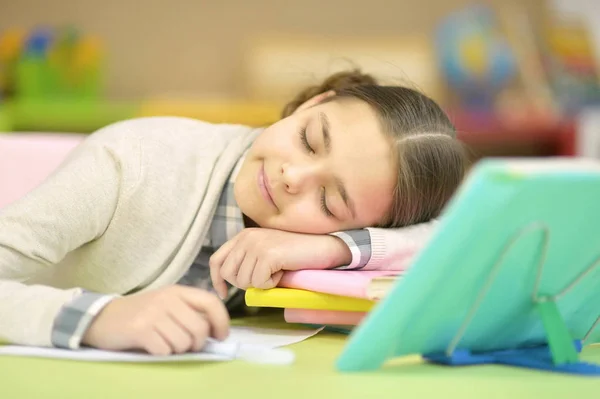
[(173, 319), (257, 257)]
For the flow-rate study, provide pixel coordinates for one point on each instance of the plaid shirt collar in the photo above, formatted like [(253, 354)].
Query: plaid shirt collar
[(228, 220)]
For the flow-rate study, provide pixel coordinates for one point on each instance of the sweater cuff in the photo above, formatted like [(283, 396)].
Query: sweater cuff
[(359, 243), (75, 317), (378, 251)]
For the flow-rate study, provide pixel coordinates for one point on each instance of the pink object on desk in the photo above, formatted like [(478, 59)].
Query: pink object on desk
[(26, 159), (323, 317), (337, 282)]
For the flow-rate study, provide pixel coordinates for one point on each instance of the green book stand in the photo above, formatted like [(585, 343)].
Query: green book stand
[(512, 275)]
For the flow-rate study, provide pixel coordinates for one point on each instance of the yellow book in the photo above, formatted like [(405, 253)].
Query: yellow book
[(301, 299)]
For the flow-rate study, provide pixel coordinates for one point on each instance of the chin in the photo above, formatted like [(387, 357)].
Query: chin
[(251, 219), (259, 222), (263, 223), (249, 222)]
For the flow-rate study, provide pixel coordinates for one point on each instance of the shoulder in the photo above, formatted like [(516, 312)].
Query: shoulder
[(168, 135), (147, 148), (166, 127)]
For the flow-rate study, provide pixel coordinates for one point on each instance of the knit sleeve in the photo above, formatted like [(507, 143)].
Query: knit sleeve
[(72, 207), (395, 249), (385, 249)]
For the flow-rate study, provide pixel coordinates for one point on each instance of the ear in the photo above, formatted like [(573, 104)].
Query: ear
[(315, 100)]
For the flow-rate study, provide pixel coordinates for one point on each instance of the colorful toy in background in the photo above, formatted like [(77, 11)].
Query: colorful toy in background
[(509, 64), (52, 80), (10, 47), (475, 59), (570, 64), (50, 64)]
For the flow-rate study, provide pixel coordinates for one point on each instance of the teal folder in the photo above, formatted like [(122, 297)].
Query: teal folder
[(515, 263)]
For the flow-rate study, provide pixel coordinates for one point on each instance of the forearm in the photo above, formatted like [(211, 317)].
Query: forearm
[(340, 253), (322, 252)]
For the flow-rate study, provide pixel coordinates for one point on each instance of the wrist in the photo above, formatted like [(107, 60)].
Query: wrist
[(93, 330), (76, 317), (340, 253)]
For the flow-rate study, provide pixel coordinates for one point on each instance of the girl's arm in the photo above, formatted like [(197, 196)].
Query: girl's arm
[(73, 207), (257, 257), (385, 249)]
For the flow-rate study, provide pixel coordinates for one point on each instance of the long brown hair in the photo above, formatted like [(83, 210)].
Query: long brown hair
[(430, 161)]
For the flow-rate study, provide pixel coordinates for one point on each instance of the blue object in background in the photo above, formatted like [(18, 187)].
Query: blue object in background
[(38, 43), (475, 60), (536, 358)]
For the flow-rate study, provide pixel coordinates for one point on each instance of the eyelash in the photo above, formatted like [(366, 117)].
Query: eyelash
[(310, 150), (304, 141), (324, 208)]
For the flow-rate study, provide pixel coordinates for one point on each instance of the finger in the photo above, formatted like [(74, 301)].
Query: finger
[(262, 273), (231, 266), (221, 254), (275, 278), (264, 278), (245, 272), (193, 322), (216, 262), (201, 335), (267, 267), (214, 310), (178, 338), (155, 344)]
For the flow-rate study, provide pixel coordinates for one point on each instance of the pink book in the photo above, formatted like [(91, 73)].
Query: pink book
[(326, 317), (352, 283)]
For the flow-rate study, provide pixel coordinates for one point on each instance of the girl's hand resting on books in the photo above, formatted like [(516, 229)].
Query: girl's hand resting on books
[(257, 257), (174, 319)]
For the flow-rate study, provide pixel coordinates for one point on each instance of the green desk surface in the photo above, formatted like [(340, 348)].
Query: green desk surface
[(312, 376)]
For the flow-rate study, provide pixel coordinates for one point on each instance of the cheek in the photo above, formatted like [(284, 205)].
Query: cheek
[(277, 140), (374, 206), (305, 217), (304, 209)]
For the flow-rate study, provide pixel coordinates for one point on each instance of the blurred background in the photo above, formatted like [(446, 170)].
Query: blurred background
[(518, 77)]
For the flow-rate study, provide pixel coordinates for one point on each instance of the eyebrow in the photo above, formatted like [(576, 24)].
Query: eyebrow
[(325, 130), (347, 200), (338, 182)]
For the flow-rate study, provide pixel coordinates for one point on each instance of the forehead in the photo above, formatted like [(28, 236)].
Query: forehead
[(362, 157)]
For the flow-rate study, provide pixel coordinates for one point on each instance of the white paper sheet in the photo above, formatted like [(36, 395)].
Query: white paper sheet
[(257, 345)]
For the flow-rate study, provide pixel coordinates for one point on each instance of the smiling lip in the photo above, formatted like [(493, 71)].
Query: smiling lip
[(263, 185)]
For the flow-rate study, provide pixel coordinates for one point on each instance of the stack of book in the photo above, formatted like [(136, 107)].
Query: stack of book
[(326, 297)]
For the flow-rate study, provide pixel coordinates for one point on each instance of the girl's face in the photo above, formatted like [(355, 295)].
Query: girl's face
[(323, 169)]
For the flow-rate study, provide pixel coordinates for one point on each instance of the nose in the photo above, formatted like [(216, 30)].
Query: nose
[(299, 176)]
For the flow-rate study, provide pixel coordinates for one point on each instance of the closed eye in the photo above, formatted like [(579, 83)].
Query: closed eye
[(324, 207), (304, 141)]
